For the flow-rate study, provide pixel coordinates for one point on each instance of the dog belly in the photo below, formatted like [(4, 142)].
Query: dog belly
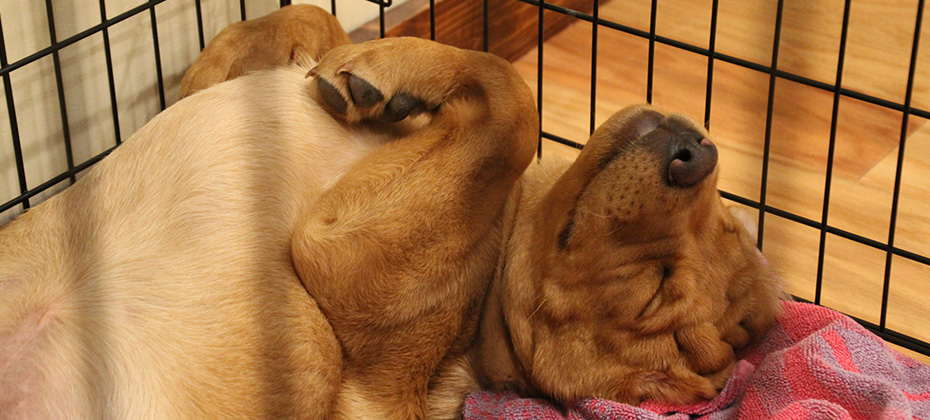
[(160, 285)]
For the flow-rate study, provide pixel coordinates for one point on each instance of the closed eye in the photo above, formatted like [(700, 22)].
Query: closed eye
[(566, 233), (651, 306), (667, 272)]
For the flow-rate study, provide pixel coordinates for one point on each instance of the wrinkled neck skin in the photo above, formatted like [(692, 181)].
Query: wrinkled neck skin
[(496, 357), (490, 363)]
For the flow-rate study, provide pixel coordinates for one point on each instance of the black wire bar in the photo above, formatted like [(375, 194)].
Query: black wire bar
[(432, 19), (900, 164), (539, 75), (199, 9), (383, 4), (711, 46), (14, 127), (593, 101), (485, 43), (381, 24), (818, 290), (109, 59), (769, 113), (158, 74), (650, 73), (60, 89)]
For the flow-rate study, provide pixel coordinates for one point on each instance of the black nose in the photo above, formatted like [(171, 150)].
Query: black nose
[(691, 157)]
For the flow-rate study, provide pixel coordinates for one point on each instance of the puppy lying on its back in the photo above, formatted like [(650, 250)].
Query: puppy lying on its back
[(271, 247)]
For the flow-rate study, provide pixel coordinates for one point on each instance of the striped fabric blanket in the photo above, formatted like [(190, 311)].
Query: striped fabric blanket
[(815, 363)]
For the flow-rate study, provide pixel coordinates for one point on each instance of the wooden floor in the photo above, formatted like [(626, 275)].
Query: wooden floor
[(867, 136)]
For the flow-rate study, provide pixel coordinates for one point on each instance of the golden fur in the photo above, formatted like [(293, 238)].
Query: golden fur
[(268, 248), (298, 34)]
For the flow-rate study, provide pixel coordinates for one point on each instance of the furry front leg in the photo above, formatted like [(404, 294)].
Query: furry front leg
[(399, 252)]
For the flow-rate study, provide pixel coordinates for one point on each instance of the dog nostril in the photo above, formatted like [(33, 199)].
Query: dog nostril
[(690, 161)]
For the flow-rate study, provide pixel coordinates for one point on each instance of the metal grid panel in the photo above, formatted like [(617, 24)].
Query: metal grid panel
[(103, 28), (53, 50)]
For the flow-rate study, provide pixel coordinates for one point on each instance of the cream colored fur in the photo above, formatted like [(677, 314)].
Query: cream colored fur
[(151, 290)]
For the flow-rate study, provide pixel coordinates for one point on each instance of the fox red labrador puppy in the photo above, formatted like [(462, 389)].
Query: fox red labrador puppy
[(277, 246)]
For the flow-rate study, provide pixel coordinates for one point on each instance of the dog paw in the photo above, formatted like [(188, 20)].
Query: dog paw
[(356, 83)]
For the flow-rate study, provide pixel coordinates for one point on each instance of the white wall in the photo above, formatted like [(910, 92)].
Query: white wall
[(84, 74)]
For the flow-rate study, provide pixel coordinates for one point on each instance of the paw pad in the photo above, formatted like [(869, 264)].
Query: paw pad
[(355, 98), (363, 93), (332, 96), (400, 106)]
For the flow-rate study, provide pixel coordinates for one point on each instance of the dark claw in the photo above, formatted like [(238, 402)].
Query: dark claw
[(399, 107), (332, 96), (363, 93)]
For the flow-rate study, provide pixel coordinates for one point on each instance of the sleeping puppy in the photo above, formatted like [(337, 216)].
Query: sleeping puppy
[(624, 276), (276, 247)]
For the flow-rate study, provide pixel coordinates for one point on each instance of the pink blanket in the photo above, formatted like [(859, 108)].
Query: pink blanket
[(815, 363)]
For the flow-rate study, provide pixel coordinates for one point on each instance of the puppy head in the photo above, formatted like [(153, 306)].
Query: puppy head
[(635, 281)]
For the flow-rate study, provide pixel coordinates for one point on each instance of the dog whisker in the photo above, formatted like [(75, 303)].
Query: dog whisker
[(538, 307), (588, 211)]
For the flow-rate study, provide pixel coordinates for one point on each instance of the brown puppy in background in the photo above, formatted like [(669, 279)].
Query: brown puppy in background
[(297, 34), (172, 280)]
